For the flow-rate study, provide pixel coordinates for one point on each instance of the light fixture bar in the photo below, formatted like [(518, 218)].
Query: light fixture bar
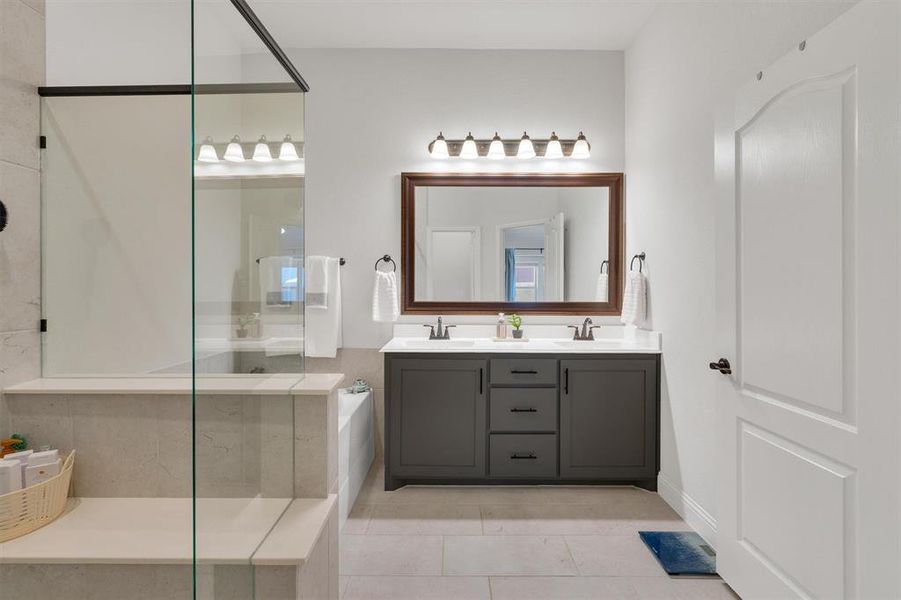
[(511, 147)]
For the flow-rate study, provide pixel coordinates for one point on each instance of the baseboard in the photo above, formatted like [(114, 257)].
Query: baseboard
[(693, 513)]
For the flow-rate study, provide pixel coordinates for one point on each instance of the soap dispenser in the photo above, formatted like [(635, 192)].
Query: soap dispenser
[(501, 327)]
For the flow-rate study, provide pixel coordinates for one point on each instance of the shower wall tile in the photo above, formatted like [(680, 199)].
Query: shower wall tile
[(36, 5), (140, 445), (20, 248), (20, 107), (20, 357), (97, 582), (117, 444), (43, 420), (173, 422), (21, 42)]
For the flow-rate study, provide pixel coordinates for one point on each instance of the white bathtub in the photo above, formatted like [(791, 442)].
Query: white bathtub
[(356, 447)]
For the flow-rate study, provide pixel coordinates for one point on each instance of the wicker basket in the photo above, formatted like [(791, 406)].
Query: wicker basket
[(25, 510)]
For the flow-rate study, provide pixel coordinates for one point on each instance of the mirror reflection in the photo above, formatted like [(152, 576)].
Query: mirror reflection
[(511, 244)]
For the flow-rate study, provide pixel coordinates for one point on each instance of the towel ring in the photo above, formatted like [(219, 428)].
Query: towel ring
[(640, 258), (605, 262), (386, 258)]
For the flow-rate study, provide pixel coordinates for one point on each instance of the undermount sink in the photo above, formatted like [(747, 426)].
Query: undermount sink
[(439, 343), (587, 344)]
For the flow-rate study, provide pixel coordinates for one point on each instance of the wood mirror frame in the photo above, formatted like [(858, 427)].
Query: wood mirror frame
[(616, 252)]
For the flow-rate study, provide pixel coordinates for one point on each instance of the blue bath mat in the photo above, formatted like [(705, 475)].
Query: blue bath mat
[(681, 552)]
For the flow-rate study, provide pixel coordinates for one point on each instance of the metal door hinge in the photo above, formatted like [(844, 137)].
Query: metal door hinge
[(42, 141), (43, 326)]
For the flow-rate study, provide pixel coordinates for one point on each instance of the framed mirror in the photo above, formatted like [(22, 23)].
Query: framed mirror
[(513, 243)]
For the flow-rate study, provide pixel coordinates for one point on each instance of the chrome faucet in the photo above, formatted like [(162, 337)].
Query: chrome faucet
[(443, 332), (587, 333)]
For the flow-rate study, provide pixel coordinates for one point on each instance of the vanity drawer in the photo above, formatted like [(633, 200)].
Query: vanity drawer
[(522, 455), (523, 409), (524, 370)]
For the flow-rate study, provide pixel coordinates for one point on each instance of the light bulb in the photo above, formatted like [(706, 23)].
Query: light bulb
[(553, 148), (234, 152), (207, 152), (288, 151), (439, 147), (496, 149), (469, 149), (581, 149), (526, 149), (261, 151)]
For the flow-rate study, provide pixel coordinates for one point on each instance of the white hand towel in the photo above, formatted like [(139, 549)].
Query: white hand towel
[(316, 284), (635, 299), (322, 326), (601, 292), (385, 301)]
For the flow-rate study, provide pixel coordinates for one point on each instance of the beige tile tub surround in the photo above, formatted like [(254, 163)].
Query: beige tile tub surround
[(509, 543), (359, 363)]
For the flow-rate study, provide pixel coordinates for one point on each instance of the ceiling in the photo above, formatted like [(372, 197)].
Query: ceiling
[(472, 24)]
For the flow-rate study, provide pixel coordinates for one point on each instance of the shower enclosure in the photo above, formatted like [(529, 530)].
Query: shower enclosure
[(172, 304)]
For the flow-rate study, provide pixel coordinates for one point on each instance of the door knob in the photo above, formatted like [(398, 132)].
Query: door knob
[(722, 365)]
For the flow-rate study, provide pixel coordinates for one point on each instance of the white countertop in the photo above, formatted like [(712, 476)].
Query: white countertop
[(540, 339)]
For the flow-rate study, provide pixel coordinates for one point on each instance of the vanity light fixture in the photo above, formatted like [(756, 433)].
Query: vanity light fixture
[(207, 152), (234, 152), (288, 151), (496, 148), (438, 148), (261, 152), (526, 149), (581, 149), (469, 149), (553, 149)]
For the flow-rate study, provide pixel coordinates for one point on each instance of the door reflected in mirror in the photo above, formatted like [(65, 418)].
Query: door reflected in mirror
[(478, 243)]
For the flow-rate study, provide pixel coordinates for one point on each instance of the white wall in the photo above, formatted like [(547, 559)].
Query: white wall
[(681, 67), (371, 114)]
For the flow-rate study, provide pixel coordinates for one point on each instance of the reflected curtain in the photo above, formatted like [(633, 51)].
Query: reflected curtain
[(510, 263)]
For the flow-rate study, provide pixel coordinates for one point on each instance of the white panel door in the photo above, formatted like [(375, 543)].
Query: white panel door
[(808, 318), (554, 233)]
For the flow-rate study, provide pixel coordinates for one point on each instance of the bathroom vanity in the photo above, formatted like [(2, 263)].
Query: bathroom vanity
[(545, 411)]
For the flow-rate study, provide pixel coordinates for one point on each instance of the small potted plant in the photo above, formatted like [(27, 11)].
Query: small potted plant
[(244, 321), (516, 321)]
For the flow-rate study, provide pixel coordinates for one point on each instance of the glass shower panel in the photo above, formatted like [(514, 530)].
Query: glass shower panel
[(116, 235), (247, 255)]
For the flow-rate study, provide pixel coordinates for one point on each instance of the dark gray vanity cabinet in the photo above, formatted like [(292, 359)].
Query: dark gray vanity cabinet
[(521, 419), (436, 417), (608, 422)]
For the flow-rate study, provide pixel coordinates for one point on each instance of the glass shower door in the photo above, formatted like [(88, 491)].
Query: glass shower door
[(247, 257)]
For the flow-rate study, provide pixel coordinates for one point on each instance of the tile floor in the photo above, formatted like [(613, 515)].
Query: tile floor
[(509, 543)]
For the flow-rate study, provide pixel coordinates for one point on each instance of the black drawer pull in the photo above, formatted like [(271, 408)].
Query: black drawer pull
[(521, 372), (529, 456), (523, 410)]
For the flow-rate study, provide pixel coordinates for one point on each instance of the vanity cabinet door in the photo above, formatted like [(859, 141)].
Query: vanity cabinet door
[(437, 413), (608, 418)]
